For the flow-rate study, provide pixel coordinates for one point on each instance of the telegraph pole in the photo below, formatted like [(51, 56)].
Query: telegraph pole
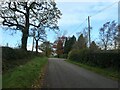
[(89, 40)]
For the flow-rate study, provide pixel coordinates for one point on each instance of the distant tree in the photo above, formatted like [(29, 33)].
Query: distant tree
[(108, 34), (59, 48), (38, 34), (85, 34), (46, 47), (81, 43), (118, 37), (69, 42), (66, 46), (7, 45), (23, 15), (59, 44), (93, 46)]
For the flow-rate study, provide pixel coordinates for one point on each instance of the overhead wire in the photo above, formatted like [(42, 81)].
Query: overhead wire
[(93, 16), (109, 6), (78, 27)]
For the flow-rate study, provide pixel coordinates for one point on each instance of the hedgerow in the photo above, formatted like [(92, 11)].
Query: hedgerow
[(98, 58)]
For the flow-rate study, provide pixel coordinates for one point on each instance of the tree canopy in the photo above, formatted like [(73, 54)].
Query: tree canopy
[(46, 47), (69, 44), (25, 15), (93, 46), (80, 43)]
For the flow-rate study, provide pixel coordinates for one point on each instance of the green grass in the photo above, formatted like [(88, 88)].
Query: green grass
[(24, 75), (0, 81), (107, 72)]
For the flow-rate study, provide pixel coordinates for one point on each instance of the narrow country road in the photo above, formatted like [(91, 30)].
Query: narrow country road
[(61, 74)]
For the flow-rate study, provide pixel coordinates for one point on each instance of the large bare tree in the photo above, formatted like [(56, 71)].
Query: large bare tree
[(25, 15)]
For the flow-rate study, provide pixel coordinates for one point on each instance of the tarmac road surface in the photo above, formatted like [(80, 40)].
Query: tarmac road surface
[(62, 74)]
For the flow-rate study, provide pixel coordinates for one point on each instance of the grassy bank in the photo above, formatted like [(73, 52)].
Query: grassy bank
[(12, 58), (0, 81), (107, 72), (25, 75)]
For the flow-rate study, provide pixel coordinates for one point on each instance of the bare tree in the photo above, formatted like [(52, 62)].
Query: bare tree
[(85, 33), (38, 34), (107, 34), (117, 38), (23, 15)]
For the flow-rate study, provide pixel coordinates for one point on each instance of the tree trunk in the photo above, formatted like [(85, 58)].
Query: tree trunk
[(33, 45), (25, 31), (36, 46), (115, 43), (58, 56), (24, 40), (105, 47), (46, 51)]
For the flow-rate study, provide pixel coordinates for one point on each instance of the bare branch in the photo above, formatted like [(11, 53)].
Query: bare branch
[(9, 24), (34, 25), (15, 8), (33, 4)]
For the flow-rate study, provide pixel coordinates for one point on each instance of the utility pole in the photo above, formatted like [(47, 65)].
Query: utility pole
[(89, 40)]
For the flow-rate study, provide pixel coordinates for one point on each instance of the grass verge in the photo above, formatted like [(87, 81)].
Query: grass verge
[(0, 81), (107, 72), (24, 75)]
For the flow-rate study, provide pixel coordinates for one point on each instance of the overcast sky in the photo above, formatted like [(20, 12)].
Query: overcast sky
[(74, 19)]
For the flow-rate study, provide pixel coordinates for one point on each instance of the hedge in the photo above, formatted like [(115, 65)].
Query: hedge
[(98, 58), (15, 57)]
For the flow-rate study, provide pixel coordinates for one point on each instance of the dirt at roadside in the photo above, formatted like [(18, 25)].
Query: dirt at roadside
[(40, 82)]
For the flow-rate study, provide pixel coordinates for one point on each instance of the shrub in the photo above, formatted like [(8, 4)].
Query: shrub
[(74, 55), (105, 59), (99, 58), (63, 56), (8, 53), (15, 57), (21, 54), (14, 54), (79, 55)]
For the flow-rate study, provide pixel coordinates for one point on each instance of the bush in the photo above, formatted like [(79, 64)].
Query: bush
[(79, 55), (105, 59), (99, 58), (15, 57), (74, 55), (63, 56), (8, 53), (21, 54), (14, 54)]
